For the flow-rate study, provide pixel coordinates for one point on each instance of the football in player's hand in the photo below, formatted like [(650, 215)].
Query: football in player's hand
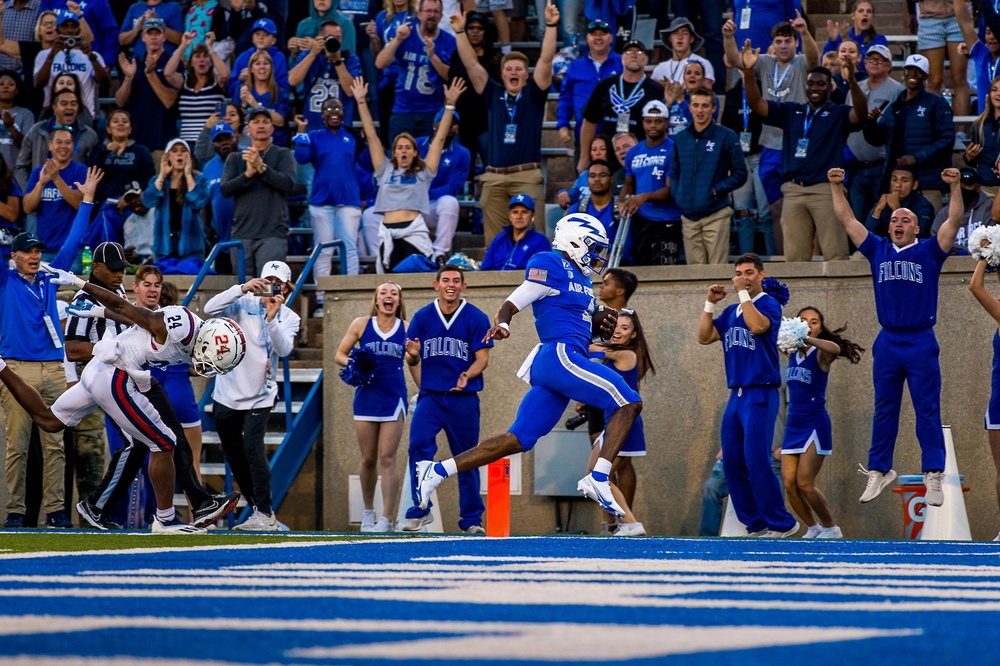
[(604, 320)]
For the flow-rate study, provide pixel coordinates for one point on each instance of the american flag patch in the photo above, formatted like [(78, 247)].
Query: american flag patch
[(538, 274)]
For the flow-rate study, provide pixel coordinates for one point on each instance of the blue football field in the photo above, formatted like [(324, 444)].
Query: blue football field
[(451, 600)]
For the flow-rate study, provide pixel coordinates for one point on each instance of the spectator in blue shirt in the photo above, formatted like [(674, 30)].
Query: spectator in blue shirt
[(169, 13), (38, 358), (813, 139), (178, 193), (260, 89), (320, 74), (656, 221), (335, 201), (446, 187), (581, 77), (983, 53), (600, 201), (265, 36), (423, 55), (518, 242), (52, 194), (706, 166), (223, 142), (145, 91), (396, 13)]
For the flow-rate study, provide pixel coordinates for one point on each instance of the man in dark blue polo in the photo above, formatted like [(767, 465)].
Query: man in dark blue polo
[(518, 241), (814, 138)]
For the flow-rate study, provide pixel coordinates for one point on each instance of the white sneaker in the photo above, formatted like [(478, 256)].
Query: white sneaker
[(933, 496), (630, 529), (259, 522), (877, 482), (416, 524), (813, 531), (368, 521), (775, 534), (174, 526), (475, 529), (600, 492), (427, 482), (998, 538), (382, 525), (831, 533)]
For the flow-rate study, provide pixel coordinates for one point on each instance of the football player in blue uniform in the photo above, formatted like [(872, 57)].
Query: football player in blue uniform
[(749, 334), (905, 275), (558, 287)]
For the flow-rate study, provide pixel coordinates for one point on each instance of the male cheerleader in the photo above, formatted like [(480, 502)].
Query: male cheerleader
[(905, 275), (749, 334), (558, 287), (118, 381), (447, 337)]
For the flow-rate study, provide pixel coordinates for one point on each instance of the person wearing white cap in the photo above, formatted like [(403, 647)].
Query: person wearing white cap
[(245, 397), (656, 220), (178, 190), (865, 170), (918, 131)]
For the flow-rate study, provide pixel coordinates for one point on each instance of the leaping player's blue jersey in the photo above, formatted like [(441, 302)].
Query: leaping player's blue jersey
[(564, 315), (751, 360), (448, 347), (806, 380), (905, 280)]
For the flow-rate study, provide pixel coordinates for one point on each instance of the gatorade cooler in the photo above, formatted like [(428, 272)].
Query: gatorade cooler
[(911, 488)]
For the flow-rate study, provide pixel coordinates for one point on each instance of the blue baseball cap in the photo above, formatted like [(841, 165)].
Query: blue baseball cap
[(64, 15), (267, 25), (522, 200), (440, 115), (220, 128)]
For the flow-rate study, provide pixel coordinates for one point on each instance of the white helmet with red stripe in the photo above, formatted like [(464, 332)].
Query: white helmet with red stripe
[(219, 347)]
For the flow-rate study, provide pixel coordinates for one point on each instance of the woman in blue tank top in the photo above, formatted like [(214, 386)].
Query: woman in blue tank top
[(977, 285), (808, 438), (627, 354), (380, 406)]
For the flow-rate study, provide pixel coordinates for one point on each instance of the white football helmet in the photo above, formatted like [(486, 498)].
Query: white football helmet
[(584, 239), (219, 347)]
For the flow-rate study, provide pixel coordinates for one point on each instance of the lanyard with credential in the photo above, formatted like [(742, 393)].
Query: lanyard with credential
[(268, 347), (618, 101), (40, 296), (807, 123), (778, 81), (511, 105), (746, 111)]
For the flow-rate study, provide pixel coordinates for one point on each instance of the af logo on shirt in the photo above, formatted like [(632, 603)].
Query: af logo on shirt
[(709, 146), (921, 111)]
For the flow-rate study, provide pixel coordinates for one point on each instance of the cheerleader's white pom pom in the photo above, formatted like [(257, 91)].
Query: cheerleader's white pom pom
[(991, 253), (792, 334)]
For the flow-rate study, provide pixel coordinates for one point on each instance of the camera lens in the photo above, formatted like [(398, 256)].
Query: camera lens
[(332, 44)]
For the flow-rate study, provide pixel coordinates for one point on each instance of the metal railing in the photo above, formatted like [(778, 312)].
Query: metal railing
[(241, 267)]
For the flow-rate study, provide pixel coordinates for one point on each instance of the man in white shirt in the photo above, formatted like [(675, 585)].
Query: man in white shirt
[(71, 54), (245, 397)]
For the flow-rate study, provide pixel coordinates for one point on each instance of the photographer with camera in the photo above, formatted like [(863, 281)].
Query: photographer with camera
[(72, 53), (325, 71), (245, 397)]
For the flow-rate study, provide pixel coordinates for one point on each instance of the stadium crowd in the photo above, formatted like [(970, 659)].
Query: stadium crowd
[(379, 124)]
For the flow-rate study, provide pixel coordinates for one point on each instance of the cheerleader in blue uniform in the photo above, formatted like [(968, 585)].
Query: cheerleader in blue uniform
[(627, 354), (380, 405), (808, 439), (977, 285)]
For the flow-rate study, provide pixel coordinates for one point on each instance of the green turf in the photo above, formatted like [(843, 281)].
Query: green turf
[(30, 542)]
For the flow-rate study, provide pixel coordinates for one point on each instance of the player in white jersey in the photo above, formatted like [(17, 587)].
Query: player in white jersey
[(118, 380)]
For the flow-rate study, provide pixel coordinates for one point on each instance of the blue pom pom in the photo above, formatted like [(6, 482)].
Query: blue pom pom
[(360, 368), (776, 289)]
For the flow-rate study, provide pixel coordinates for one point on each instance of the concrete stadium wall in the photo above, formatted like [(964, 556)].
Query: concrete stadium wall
[(685, 399)]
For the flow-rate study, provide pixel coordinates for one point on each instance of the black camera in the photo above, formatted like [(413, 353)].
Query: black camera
[(332, 44), (574, 422), (70, 42)]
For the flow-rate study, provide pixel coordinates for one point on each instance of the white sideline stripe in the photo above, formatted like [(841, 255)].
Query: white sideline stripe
[(232, 546), (589, 377), (65, 660), (585, 599), (473, 640)]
